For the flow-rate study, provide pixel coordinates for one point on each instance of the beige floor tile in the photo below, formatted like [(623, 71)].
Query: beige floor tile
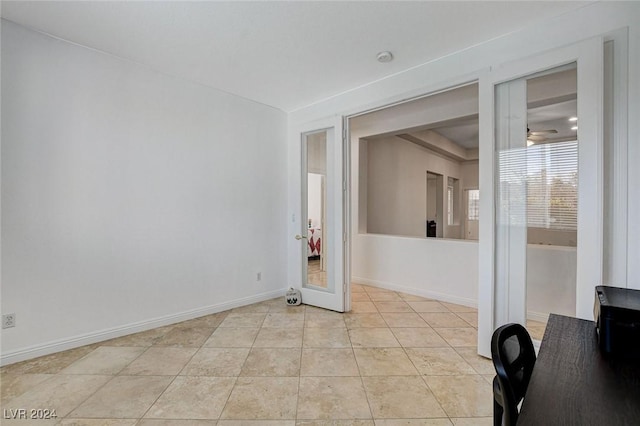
[(462, 396), (356, 288), (473, 421), (459, 308), (332, 398), (439, 361), (326, 338), (244, 319), (328, 362), (360, 297), (443, 319), (181, 422), (278, 338), (335, 423), (232, 338), (414, 422), (372, 289), (413, 298), (224, 362), (255, 308), (357, 320), (404, 319), (256, 423), (384, 362), (18, 422), (264, 398), (284, 320), (160, 361), (272, 362), (14, 385), (363, 307), (124, 397), (536, 332), (372, 338), (144, 338), (419, 337), (185, 337), (282, 307), (385, 297), (98, 422), (192, 397), (427, 306), (459, 336), (324, 320), (105, 360), (400, 306), (49, 364), (62, 392), (479, 363), (401, 397), (207, 321), (470, 317)]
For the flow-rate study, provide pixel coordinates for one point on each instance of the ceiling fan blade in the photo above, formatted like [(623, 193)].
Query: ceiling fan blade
[(543, 132), (537, 138)]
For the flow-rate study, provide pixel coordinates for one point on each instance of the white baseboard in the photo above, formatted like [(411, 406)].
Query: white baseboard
[(429, 294), (537, 316), (112, 333)]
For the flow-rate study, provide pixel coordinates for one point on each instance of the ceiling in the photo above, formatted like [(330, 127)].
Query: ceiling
[(551, 102), (284, 54)]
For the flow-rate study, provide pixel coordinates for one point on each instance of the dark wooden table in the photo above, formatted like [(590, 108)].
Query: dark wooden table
[(574, 384)]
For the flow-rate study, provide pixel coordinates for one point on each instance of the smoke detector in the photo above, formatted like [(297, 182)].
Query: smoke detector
[(385, 56)]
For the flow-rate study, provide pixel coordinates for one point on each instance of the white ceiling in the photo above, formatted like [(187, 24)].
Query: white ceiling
[(284, 54)]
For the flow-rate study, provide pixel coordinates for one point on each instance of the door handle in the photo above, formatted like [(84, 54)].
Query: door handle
[(299, 237)]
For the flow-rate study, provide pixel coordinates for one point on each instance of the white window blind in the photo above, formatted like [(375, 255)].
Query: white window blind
[(473, 204), (549, 175)]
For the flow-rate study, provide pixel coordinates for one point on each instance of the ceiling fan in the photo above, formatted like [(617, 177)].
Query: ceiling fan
[(539, 135)]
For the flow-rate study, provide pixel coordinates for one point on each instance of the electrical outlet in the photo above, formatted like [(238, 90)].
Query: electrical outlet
[(259, 276), (8, 320)]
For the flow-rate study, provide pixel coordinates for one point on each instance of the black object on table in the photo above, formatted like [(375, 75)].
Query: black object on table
[(574, 383)]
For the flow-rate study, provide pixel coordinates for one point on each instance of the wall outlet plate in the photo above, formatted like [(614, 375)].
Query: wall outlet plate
[(8, 320)]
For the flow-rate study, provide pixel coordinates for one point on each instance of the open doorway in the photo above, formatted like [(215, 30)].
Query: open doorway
[(411, 166)]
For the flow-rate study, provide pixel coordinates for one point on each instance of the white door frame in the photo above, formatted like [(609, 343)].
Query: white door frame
[(333, 232), (492, 307)]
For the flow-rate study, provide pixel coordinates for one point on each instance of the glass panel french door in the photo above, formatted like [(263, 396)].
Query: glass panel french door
[(319, 230), (542, 183)]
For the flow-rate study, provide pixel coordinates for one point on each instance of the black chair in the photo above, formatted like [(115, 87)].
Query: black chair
[(513, 358)]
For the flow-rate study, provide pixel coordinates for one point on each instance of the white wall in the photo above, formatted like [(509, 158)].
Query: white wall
[(129, 198), (397, 187), (551, 281), (435, 268)]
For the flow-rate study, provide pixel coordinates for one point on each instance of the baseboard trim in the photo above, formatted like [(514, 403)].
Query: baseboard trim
[(537, 316), (100, 336), (429, 294)]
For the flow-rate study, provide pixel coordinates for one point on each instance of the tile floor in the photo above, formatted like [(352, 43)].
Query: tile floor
[(395, 359)]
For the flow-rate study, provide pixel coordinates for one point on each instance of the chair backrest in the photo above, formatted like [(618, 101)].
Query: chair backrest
[(513, 357)]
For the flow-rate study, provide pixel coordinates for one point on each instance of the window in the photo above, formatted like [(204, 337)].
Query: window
[(473, 204), (450, 205), (452, 201), (549, 173)]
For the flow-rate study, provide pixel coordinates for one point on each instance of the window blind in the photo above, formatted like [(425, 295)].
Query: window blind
[(473, 204), (548, 175)]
